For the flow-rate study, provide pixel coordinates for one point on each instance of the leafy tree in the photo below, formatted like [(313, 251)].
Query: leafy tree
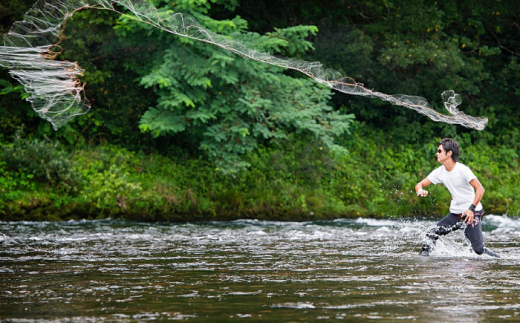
[(225, 104), (117, 99), (415, 47)]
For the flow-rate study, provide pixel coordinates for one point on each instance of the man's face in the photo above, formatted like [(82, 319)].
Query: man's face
[(442, 155)]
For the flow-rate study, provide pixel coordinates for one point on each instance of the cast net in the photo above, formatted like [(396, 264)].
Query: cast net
[(30, 47)]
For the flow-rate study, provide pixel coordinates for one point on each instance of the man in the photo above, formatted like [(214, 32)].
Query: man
[(466, 192)]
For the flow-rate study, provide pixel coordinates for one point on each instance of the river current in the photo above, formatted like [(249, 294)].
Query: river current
[(360, 269)]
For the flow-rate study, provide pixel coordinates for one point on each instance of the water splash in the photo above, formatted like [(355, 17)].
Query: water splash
[(263, 270)]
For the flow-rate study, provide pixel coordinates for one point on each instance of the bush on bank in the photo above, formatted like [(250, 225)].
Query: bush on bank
[(298, 180)]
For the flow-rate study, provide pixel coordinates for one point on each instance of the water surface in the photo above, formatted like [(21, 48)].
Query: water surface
[(253, 270)]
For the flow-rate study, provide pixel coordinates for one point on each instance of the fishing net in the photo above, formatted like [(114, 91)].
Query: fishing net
[(31, 46)]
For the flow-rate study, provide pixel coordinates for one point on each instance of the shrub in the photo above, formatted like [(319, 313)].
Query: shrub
[(43, 159)]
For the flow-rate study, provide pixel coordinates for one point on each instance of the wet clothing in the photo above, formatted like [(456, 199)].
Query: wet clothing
[(457, 182), (452, 222)]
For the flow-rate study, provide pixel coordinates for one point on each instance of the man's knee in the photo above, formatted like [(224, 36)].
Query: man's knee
[(432, 236), (478, 249)]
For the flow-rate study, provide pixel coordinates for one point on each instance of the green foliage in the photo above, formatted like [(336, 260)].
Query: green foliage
[(499, 174), (205, 113), (228, 105), (41, 160), (118, 100), (299, 179), (109, 188), (11, 11), (13, 185), (293, 40), (412, 47), (12, 109)]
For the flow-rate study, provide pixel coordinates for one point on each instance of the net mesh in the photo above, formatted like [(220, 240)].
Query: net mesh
[(30, 48)]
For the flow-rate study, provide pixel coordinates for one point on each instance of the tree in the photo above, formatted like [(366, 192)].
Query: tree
[(413, 47), (225, 104)]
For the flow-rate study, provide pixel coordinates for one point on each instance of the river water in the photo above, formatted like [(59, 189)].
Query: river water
[(254, 270)]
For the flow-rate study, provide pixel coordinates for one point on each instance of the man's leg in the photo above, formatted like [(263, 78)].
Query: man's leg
[(448, 224), (474, 234)]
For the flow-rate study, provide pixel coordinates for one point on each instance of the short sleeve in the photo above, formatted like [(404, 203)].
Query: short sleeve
[(468, 174), (434, 176)]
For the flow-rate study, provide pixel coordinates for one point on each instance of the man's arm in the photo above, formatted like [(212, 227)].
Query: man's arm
[(479, 193), (419, 187), (479, 190)]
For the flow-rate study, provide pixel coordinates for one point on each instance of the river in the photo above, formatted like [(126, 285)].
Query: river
[(252, 270)]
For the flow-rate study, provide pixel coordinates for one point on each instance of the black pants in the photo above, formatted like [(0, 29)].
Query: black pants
[(452, 222)]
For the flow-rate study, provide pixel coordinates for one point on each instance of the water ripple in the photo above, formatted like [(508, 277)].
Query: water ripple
[(342, 269)]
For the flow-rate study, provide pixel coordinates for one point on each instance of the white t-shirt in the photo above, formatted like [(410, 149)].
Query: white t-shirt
[(457, 182)]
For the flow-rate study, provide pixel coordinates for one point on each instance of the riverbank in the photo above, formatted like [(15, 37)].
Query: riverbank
[(302, 181)]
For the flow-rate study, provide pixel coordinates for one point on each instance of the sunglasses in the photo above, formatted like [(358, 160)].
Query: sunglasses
[(439, 151)]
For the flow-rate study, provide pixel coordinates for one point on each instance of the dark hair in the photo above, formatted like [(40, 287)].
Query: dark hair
[(449, 144)]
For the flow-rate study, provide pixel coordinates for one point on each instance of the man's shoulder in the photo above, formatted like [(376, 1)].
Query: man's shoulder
[(466, 171), (439, 169), (435, 175), (462, 166)]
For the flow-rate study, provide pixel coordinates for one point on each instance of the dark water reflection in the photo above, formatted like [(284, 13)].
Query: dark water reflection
[(272, 271)]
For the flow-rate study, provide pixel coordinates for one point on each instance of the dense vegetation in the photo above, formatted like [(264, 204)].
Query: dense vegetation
[(184, 131)]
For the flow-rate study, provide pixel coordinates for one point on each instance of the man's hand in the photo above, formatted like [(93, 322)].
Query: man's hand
[(422, 193), (469, 216)]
